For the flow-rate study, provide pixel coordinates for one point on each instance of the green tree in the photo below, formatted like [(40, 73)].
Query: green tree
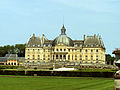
[(109, 59)]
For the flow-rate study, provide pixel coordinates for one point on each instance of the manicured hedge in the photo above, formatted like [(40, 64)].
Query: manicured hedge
[(58, 73)]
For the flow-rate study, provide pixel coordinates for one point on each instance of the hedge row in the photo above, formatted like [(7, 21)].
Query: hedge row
[(58, 73)]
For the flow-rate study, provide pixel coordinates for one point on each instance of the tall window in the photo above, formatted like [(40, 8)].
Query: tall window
[(86, 57), (64, 56), (33, 50), (53, 57), (28, 56), (69, 50), (38, 57), (33, 57), (80, 57), (60, 56), (48, 57), (68, 57), (75, 57), (86, 50), (91, 50), (75, 50), (96, 57), (97, 50), (61, 50), (56, 56), (43, 57), (91, 57), (38, 50), (80, 50)]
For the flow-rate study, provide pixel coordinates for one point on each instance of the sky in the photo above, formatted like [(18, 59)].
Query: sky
[(19, 19)]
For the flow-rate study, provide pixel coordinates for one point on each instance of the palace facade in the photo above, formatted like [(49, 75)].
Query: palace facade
[(64, 50)]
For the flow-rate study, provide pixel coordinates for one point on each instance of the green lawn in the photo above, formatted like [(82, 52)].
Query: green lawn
[(55, 83)]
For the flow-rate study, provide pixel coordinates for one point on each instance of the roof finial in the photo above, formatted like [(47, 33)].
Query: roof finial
[(63, 20), (63, 30)]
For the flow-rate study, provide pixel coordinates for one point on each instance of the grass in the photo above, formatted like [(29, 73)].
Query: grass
[(55, 83)]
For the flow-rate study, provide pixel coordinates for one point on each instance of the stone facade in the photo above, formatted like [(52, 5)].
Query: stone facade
[(64, 50)]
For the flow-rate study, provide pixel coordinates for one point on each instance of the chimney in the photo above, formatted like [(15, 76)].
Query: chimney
[(84, 36)]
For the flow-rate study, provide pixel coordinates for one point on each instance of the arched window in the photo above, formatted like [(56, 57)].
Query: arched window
[(64, 56), (56, 56)]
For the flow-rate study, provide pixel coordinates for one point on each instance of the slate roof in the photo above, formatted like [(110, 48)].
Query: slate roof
[(93, 41)]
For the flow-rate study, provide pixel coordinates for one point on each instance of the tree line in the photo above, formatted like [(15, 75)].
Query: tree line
[(18, 49)]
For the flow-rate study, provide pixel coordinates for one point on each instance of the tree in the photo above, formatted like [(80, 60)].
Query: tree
[(17, 49), (109, 59)]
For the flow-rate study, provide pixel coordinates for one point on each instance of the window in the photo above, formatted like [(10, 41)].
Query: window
[(56, 49), (91, 50), (53, 50), (61, 50), (38, 50), (56, 56), (28, 50), (60, 56), (53, 57), (69, 50), (28, 57), (80, 57), (48, 50), (86, 50), (64, 49), (44, 50), (91, 57), (43, 57), (33, 50), (38, 57), (86, 57), (97, 50), (75, 57), (64, 56), (75, 50), (80, 50), (33, 57), (97, 57), (48, 57), (68, 57)]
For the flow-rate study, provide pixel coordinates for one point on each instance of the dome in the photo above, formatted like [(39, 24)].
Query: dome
[(63, 39)]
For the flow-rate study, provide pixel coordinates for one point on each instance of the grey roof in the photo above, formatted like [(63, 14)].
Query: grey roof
[(21, 59), (63, 39), (11, 55), (34, 42), (3, 59), (93, 41)]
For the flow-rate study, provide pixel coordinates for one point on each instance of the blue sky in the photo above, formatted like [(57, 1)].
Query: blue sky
[(19, 19)]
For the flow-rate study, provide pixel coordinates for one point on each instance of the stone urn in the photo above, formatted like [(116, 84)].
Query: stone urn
[(117, 76)]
